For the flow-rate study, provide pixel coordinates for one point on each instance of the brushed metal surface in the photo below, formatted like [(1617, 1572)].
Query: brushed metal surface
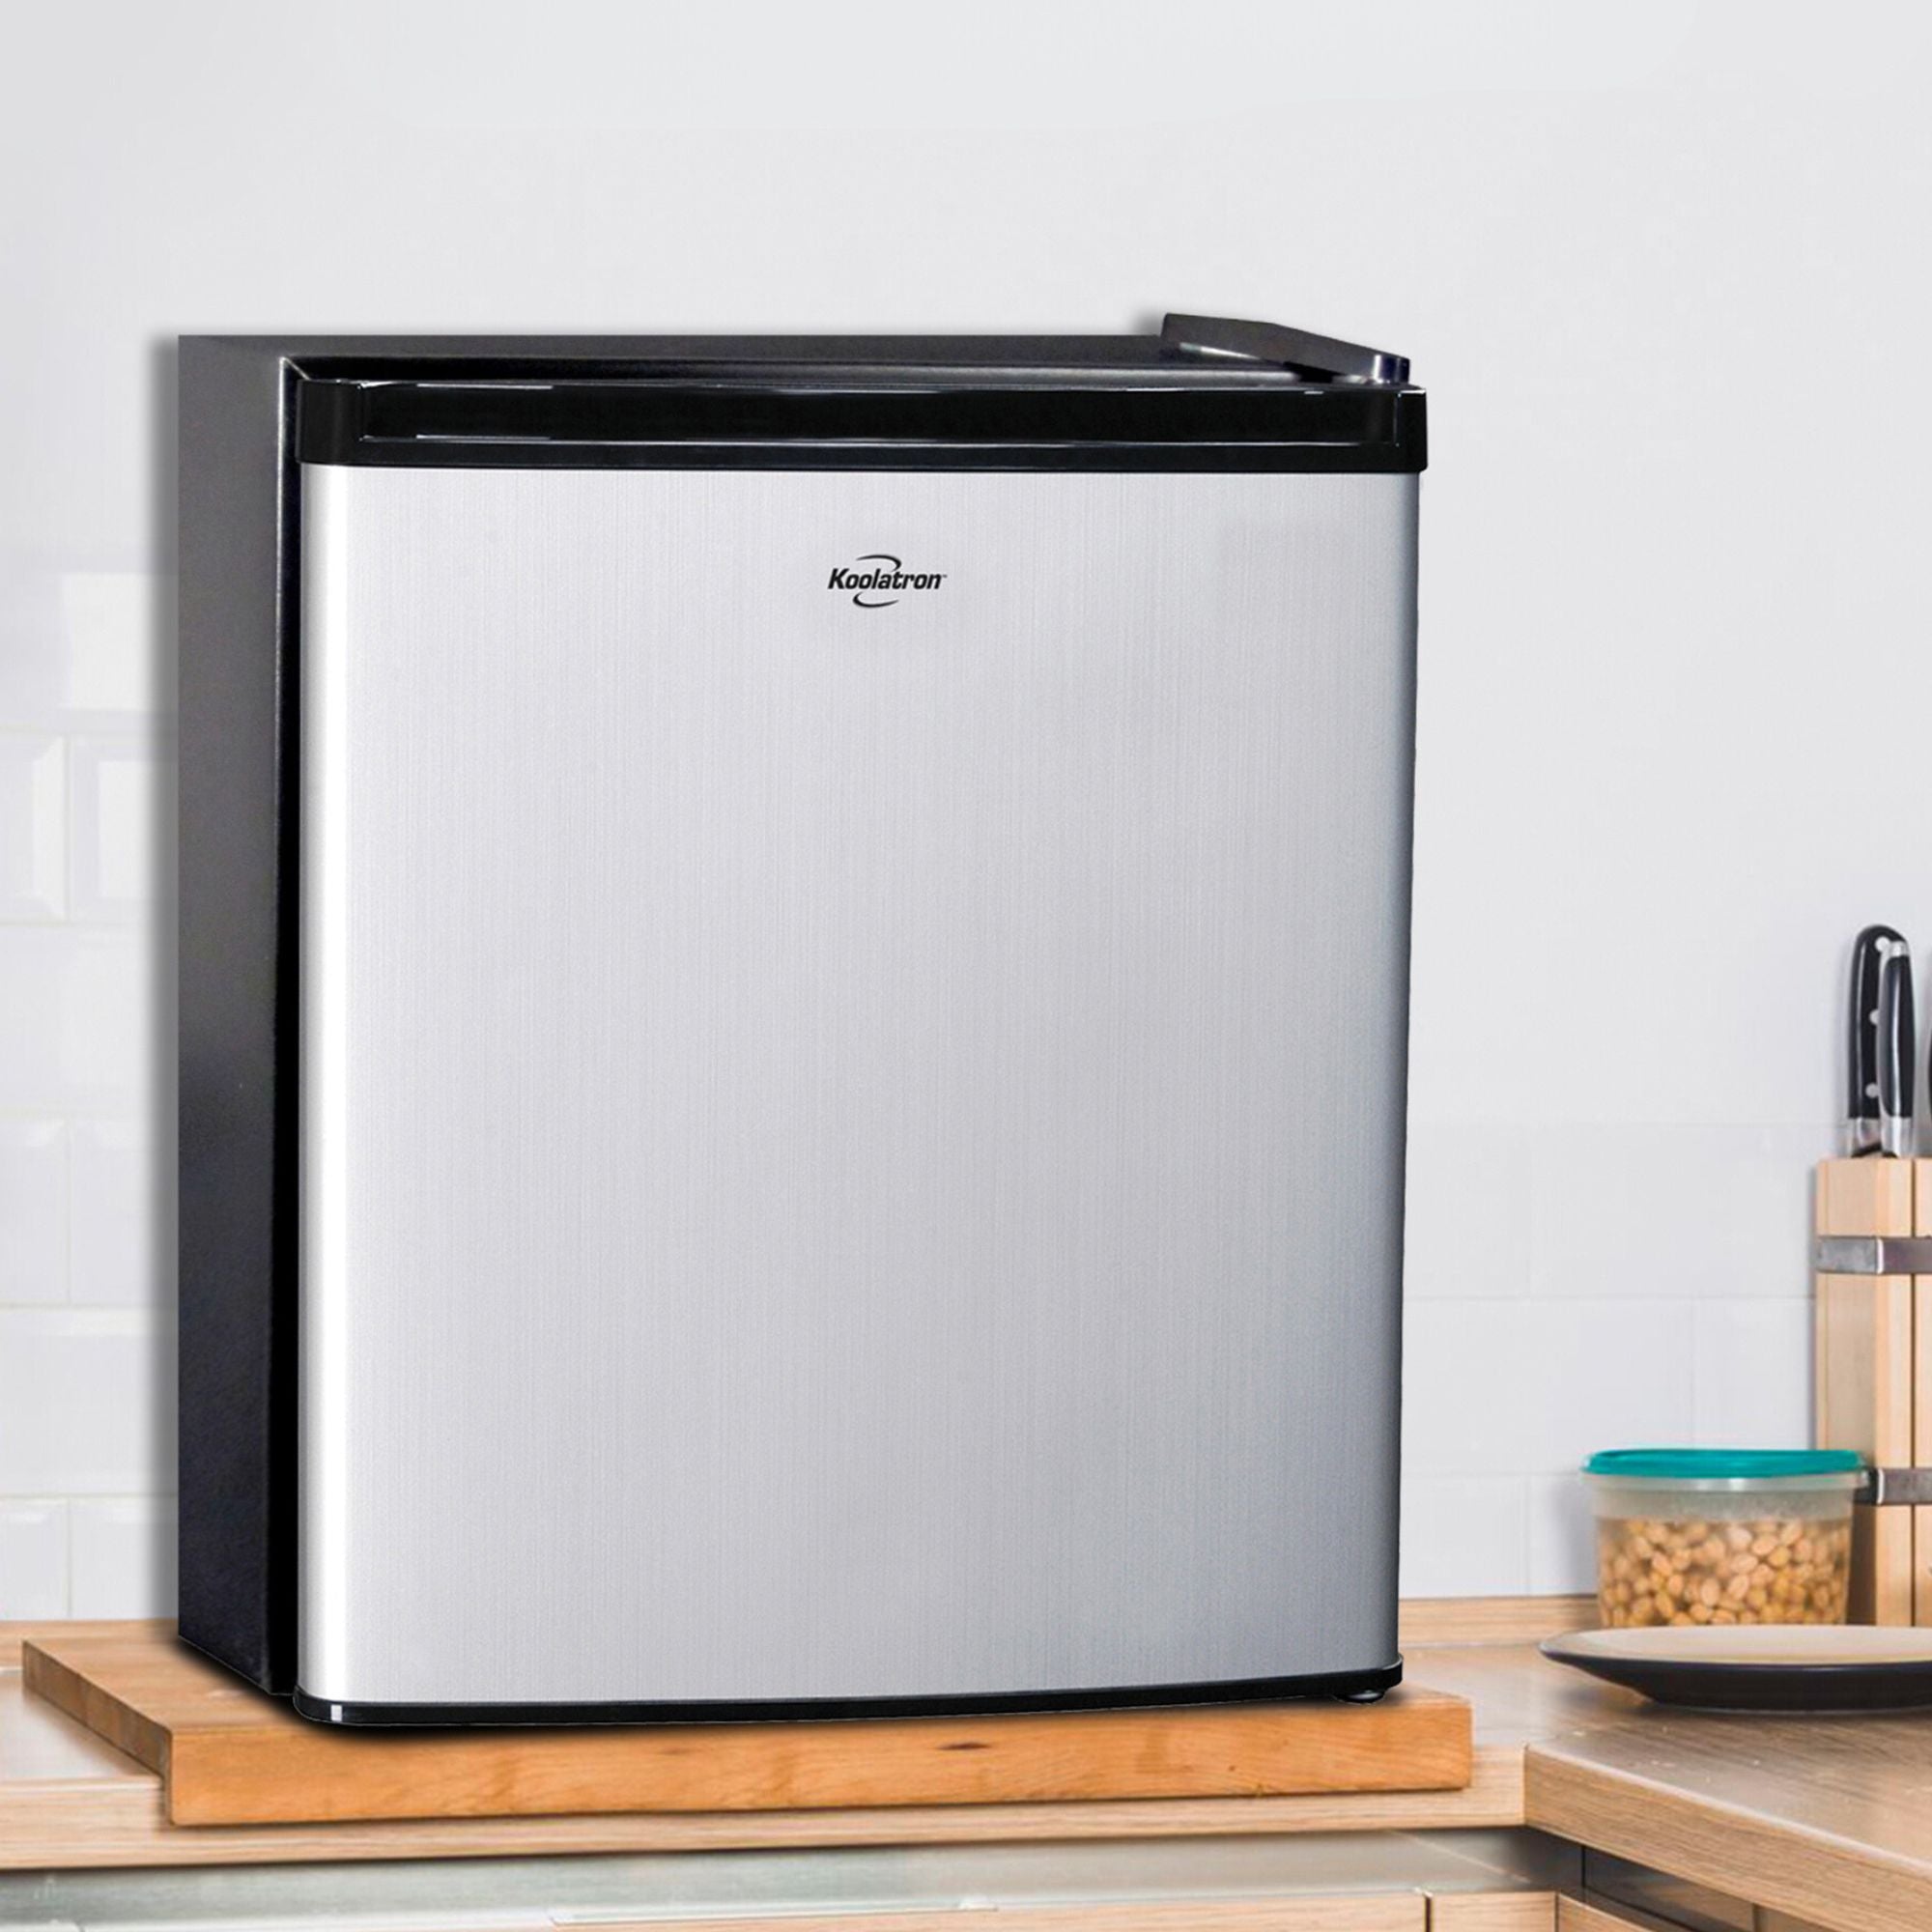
[(850, 1152)]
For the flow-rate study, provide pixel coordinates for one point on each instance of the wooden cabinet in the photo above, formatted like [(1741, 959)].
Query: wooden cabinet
[(1492, 1912), (1600, 1914), (1578, 1914), (1386, 1912), (1502, 1881)]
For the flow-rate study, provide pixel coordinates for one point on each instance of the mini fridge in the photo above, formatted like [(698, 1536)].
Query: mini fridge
[(793, 1011)]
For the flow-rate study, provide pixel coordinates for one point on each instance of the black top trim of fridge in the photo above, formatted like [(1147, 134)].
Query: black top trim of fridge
[(1361, 1686), (797, 415)]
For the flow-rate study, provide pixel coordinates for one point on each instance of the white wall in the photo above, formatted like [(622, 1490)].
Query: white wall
[(1661, 268)]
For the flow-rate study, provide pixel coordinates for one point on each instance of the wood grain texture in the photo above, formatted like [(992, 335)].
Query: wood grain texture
[(1825, 1819), (16, 1632), (1864, 1197), (230, 1756), (1492, 1912), (68, 1799), (122, 1822), (1516, 1696), (1922, 1395), (1862, 1362), (1921, 1441), (1439, 1620), (1351, 1912), (1582, 1914), (1861, 1335)]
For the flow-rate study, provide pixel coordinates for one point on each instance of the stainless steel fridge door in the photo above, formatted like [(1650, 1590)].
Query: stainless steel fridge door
[(851, 1133)]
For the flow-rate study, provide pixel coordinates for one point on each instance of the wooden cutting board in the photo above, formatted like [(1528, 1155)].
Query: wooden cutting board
[(230, 1755)]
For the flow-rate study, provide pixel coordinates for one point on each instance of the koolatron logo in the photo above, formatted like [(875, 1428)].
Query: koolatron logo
[(869, 577)]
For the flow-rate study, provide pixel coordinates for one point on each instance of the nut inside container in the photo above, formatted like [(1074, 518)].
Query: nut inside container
[(1722, 1536)]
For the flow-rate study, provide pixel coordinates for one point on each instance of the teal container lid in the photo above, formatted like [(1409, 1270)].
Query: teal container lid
[(1764, 1465)]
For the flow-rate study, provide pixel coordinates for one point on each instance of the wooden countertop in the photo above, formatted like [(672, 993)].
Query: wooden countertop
[(1827, 1819)]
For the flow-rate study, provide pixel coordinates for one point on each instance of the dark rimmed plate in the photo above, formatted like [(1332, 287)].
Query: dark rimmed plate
[(1824, 1668)]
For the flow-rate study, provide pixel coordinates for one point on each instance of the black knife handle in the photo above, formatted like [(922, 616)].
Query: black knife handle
[(1861, 1109), (1897, 1052)]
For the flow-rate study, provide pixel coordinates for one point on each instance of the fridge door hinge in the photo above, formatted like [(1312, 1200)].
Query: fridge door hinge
[(1274, 342)]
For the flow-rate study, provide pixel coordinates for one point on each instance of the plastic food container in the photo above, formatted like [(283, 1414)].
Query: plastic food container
[(1722, 1536)]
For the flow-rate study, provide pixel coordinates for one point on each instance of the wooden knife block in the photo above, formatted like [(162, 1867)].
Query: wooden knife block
[(1873, 1376)]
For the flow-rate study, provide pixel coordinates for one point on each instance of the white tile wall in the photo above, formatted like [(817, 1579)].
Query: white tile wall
[(86, 1146), (76, 1018), (1746, 1393), (123, 800), (32, 768), (122, 1244), (33, 1558), (83, 1405), (1562, 1554), (33, 1210), (123, 1556), (1461, 1533), (1589, 1287), (1459, 1179), (107, 660)]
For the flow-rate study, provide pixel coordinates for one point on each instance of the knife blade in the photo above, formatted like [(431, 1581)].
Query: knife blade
[(1897, 1052), (1861, 1109)]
